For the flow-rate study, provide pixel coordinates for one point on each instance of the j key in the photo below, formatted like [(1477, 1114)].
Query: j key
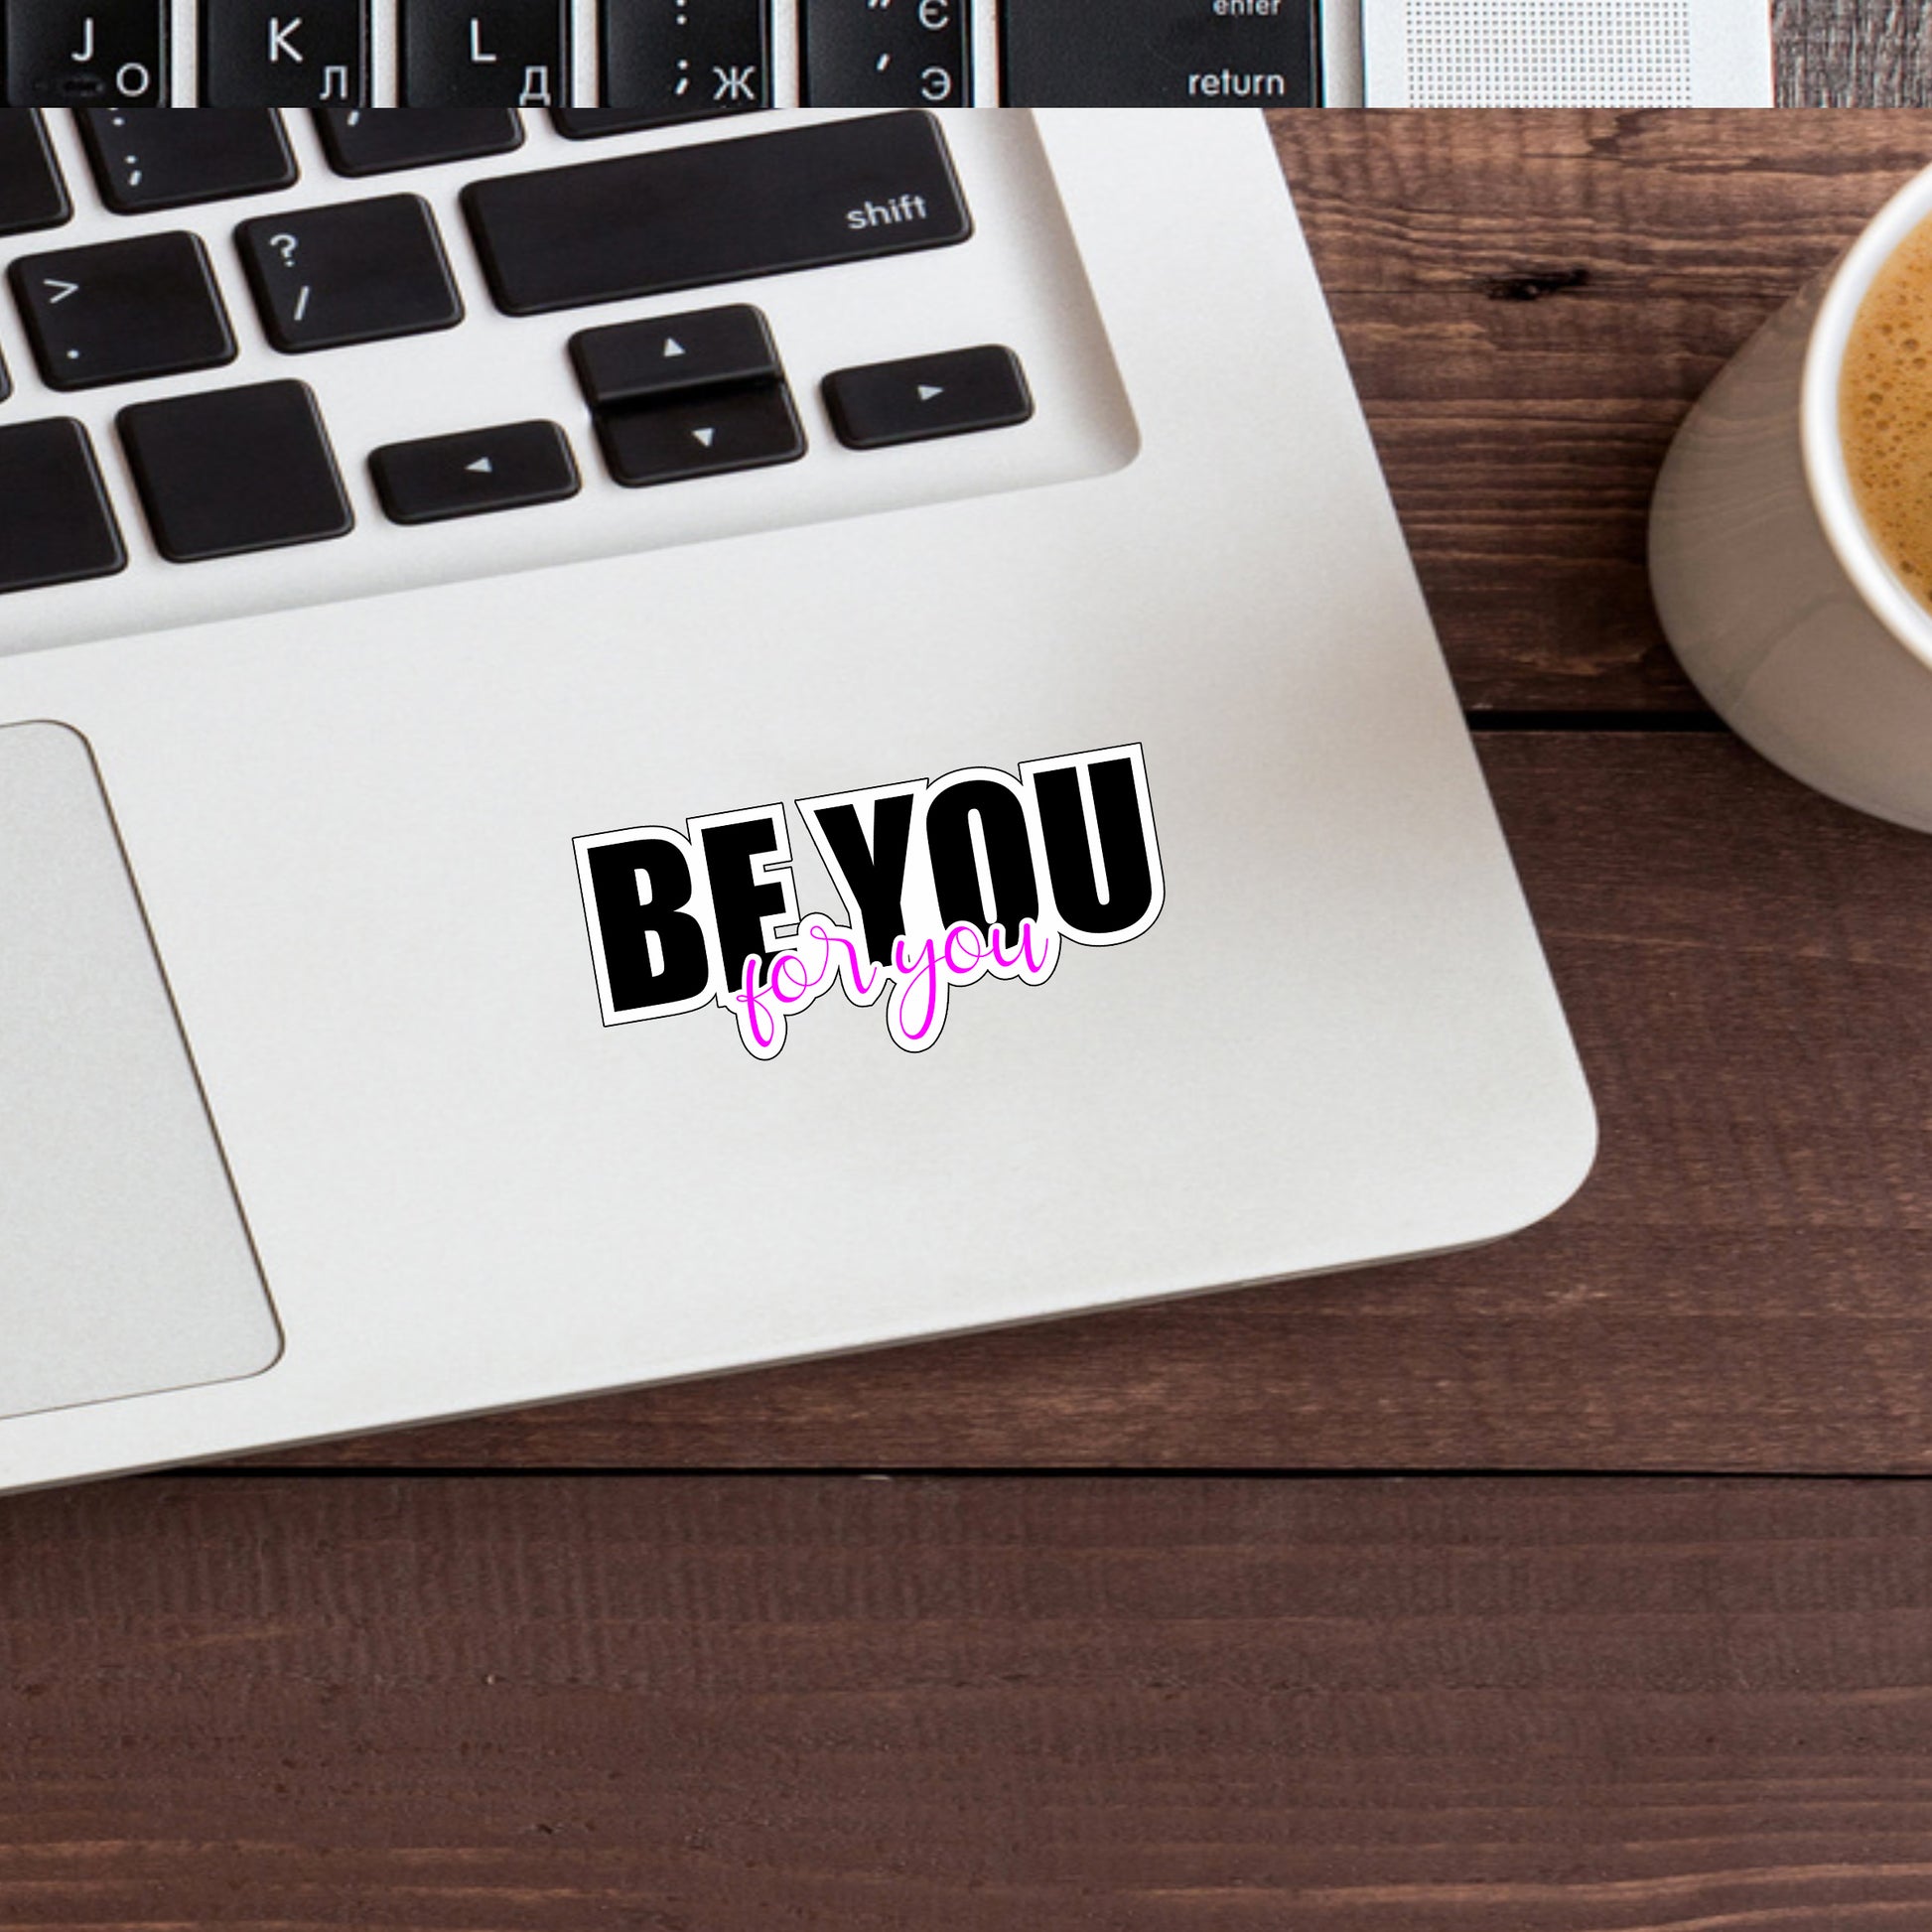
[(234, 470), (925, 396), (886, 53), (121, 311), (702, 436), (284, 53), (155, 158), (1160, 53), (640, 361), (359, 272), (505, 469), (685, 59), (486, 52), (384, 140), (55, 525), (75, 52), (715, 211), (32, 192)]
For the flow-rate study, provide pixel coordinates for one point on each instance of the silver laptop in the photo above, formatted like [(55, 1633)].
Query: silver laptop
[(629, 759), (671, 56)]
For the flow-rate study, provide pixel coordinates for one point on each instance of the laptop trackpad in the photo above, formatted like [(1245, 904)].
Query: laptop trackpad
[(124, 1265)]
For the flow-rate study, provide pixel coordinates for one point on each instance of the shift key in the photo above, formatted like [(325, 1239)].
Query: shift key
[(715, 211)]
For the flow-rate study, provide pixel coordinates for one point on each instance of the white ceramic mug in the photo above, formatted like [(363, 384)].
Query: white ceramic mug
[(1779, 604)]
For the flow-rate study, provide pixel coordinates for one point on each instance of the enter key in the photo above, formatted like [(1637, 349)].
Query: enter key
[(1162, 54)]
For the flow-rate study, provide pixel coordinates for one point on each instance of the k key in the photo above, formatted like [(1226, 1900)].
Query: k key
[(285, 53), (87, 53)]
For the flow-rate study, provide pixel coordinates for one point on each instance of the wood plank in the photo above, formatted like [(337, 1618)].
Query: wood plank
[(1853, 52), (1530, 302), (1745, 1284), (967, 1706)]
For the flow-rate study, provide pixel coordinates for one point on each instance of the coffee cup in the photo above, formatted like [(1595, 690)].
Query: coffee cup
[(1775, 592)]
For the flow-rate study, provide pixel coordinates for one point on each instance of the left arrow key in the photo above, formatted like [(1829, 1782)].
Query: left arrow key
[(509, 467), (122, 311)]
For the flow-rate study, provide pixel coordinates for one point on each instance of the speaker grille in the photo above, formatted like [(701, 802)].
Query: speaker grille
[(1549, 53)]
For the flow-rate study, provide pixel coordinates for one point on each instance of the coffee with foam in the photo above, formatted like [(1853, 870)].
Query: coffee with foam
[(1885, 411)]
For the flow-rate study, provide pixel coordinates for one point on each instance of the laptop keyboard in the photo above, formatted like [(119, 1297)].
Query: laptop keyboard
[(256, 360), (666, 59)]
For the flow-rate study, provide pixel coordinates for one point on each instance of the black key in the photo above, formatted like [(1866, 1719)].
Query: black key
[(715, 211), (685, 59), (284, 53), (484, 469), (55, 525), (121, 311), (6, 383), (702, 436), (1160, 53), (923, 396), (486, 52), (32, 192), (886, 53), (82, 53), (640, 361), (382, 140), (155, 158), (359, 272), (236, 471)]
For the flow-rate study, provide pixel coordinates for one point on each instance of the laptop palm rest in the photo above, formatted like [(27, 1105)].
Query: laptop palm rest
[(126, 1266)]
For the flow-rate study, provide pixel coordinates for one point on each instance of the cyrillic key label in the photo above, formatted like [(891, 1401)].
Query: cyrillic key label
[(87, 53), (684, 59), (886, 53), (486, 52), (716, 211), (285, 53)]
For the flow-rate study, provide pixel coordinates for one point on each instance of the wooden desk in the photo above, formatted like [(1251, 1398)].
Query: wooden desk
[(302, 1696)]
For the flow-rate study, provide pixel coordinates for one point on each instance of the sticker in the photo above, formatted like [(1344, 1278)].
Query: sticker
[(983, 874)]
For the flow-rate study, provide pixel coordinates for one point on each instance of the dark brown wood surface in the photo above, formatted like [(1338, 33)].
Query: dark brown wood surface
[(1530, 303), (637, 1704)]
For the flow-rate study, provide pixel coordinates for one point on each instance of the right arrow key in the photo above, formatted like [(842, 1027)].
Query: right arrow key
[(925, 396)]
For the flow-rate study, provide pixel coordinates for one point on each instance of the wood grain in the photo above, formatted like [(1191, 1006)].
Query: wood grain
[(1745, 1283), (728, 1706), (1853, 52), (1530, 302)]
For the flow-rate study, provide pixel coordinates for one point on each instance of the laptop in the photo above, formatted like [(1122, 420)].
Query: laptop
[(635, 757), (667, 57)]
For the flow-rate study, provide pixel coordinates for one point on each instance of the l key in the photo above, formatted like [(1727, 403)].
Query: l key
[(486, 52)]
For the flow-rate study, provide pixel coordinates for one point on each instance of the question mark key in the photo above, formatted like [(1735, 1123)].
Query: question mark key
[(357, 272)]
